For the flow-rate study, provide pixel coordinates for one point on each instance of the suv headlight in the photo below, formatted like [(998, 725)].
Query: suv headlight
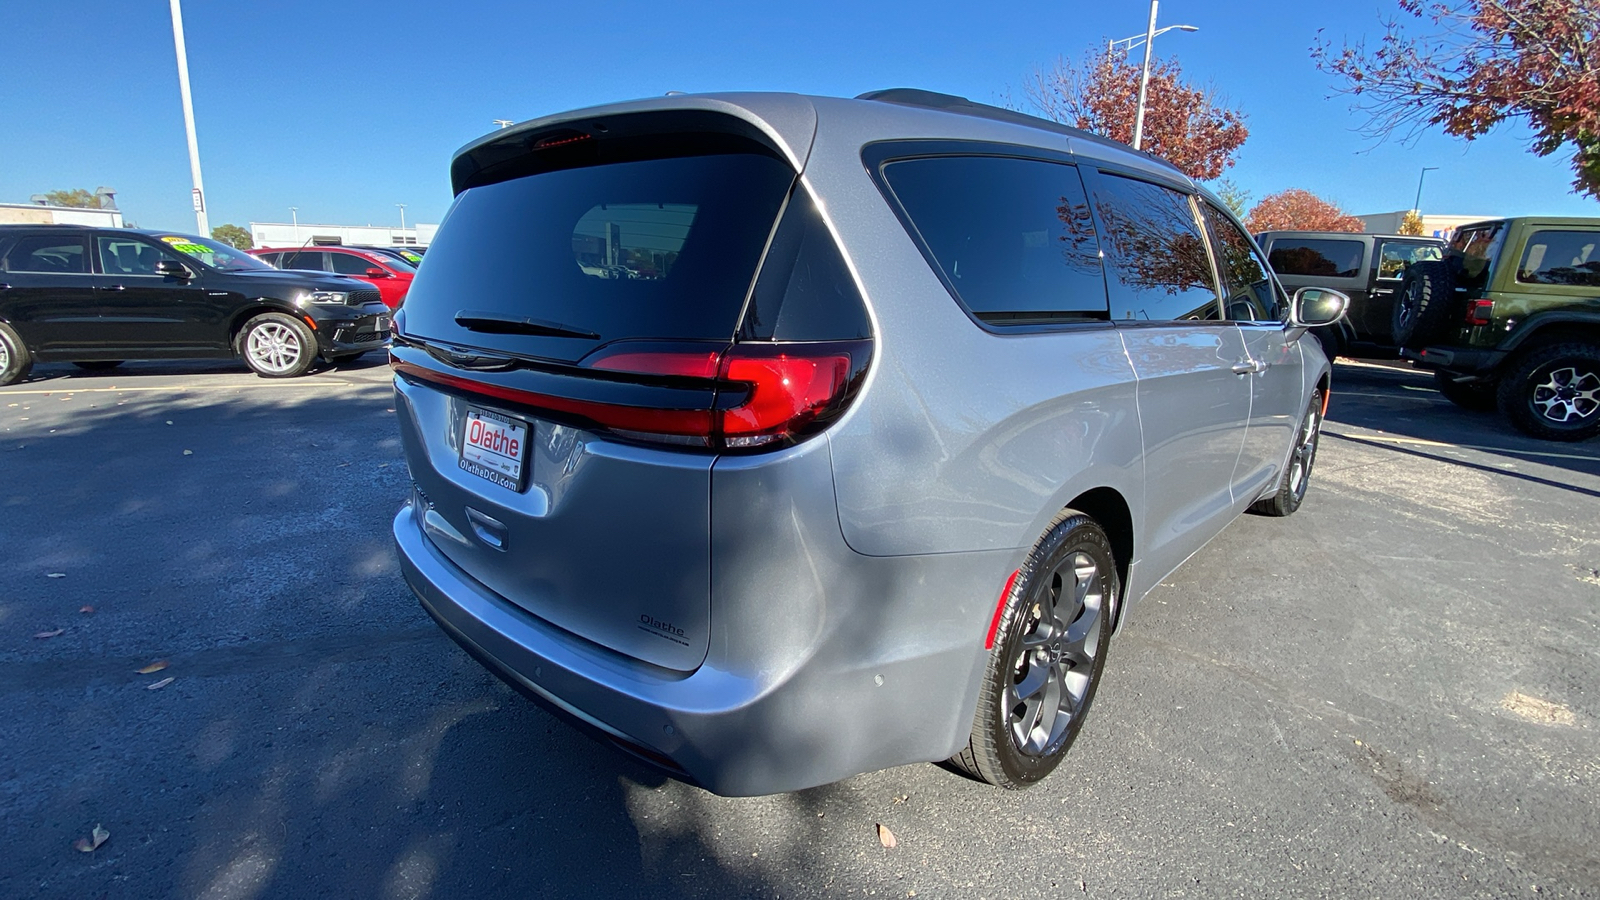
[(329, 297)]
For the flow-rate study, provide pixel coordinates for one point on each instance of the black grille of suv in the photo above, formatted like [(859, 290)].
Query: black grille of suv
[(358, 298)]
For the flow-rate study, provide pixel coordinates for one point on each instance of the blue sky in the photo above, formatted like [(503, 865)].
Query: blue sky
[(345, 109)]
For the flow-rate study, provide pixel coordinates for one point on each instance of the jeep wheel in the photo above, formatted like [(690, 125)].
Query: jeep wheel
[(1554, 392), (1478, 396), (1422, 305), (1049, 650)]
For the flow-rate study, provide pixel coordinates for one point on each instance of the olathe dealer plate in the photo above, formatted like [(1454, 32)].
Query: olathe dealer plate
[(495, 447)]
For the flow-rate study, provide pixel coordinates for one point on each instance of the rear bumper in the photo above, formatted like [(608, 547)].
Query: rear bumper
[(1466, 361), (855, 702)]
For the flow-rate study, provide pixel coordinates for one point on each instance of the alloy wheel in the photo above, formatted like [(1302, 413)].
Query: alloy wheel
[(5, 356), (1054, 662), (1305, 451), (274, 347), (1568, 395)]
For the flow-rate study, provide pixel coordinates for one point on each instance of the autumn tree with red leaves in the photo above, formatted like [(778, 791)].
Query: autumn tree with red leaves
[(1489, 61), (1184, 124), (1298, 210)]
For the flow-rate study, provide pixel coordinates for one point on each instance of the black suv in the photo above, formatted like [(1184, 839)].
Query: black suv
[(1366, 267), (98, 296)]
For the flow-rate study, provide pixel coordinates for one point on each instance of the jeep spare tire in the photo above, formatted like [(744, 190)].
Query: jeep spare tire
[(1423, 303)]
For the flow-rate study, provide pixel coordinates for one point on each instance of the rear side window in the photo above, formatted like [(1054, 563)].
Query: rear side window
[(311, 261), (1157, 266), (48, 253), (351, 264), (662, 249), (1013, 238), (806, 292), (1395, 257), (1316, 258), (1561, 257)]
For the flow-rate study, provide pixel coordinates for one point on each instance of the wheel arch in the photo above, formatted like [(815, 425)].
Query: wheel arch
[(1111, 512), (261, 306), (1544, 329)]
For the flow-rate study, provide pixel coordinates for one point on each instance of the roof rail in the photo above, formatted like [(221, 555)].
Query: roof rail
[(962, 106)]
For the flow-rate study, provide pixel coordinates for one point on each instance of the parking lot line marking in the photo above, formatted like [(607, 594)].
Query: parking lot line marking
[(187, 387), (1426, 443)]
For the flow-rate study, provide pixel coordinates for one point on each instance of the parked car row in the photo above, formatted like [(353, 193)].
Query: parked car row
[(859, 468), (385, 270), (98, 296), (1507, 316)]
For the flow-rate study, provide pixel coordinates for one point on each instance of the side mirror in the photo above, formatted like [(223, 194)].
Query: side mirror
[(173, 269), (376, 272), (1314, 307)]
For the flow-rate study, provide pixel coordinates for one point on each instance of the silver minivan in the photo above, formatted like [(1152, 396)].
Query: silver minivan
[(780, 438)]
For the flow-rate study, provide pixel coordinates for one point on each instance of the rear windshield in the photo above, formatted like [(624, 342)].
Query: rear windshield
[(657, 249), (1324, 258)]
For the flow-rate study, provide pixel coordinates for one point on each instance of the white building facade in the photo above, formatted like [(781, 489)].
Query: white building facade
[(40, 214), (1432, 225), (304, 234)]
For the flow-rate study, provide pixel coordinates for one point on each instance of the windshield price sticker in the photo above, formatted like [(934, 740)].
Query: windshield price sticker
[(494, 447)]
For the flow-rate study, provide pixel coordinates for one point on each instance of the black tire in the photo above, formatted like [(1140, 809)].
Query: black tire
[(1331, 340), (15, 360), (1422, 305), (1478, 396), (1051, 641), (1291, 490), (98, 365), (1553, 392), (275, 345)]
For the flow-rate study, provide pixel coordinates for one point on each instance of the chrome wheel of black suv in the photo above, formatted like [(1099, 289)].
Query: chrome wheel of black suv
[(1049, 650), (275, 345), (1554, 392), (14, 359)]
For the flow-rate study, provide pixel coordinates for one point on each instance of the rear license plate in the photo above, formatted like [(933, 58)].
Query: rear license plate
[(495, 447)]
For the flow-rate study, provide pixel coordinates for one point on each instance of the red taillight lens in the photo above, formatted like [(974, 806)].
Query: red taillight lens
[(756, 394), (787, 391), (1480, 312)]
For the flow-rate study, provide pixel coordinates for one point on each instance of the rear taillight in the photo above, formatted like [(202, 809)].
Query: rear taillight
[(758, 395), (1480, 312)]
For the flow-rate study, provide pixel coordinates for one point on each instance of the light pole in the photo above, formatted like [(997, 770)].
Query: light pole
[(188, 121), (1149, 38), (294, 213), (402, 222), (1417, 204)]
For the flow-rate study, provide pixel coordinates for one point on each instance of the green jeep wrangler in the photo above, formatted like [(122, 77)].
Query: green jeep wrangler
[(1511, 318)]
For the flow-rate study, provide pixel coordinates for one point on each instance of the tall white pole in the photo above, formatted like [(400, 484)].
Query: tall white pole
[(294, 213), (402, 222), (1144, 80), (188, 122)]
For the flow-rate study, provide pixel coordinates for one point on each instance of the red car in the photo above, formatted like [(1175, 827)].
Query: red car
[(390, 275)]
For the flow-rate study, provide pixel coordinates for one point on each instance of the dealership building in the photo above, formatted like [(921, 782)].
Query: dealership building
[(303, 234), (1434, 225)]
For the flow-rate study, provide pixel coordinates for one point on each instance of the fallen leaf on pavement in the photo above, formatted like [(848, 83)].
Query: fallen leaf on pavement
[(93, 841), (154, 667), (160, 684), (56, 575), (86, 609), (886, 837), (49, 634)]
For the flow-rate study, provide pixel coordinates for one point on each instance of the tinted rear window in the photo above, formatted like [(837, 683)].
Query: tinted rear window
[(1317, 258), (656, 249), (1561, 257), (48, 253), (1013, 238)]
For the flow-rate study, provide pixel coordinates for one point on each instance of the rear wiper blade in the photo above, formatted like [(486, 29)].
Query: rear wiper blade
[(500, 323)]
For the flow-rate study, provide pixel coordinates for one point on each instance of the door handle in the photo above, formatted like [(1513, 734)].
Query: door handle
[(1249, 367), (110, 287)]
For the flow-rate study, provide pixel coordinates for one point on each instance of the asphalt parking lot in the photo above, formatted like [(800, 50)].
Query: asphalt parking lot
[(1394, 692)]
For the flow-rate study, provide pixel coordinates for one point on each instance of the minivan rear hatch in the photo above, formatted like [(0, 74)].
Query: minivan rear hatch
[(583, 291)]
